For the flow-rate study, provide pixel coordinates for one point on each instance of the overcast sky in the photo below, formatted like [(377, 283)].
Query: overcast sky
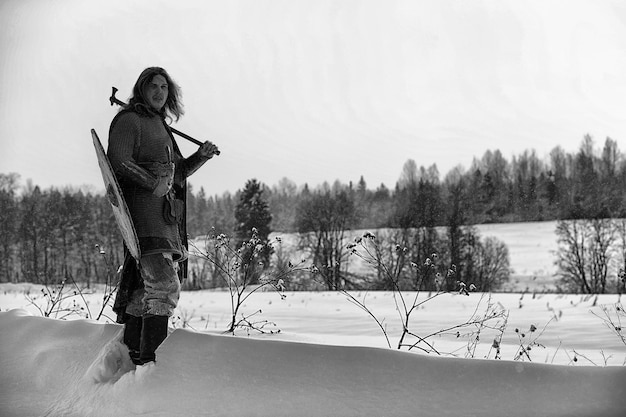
[(313, 90)]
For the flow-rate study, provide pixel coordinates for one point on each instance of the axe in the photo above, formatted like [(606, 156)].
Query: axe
[(114, 100)]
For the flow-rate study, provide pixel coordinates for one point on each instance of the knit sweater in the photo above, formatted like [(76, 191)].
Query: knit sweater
[(142, 143)]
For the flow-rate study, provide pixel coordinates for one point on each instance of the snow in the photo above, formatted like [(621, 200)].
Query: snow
[(329, 359), (324, 355)]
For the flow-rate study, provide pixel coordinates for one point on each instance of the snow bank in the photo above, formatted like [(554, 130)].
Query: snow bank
[(79, 368)]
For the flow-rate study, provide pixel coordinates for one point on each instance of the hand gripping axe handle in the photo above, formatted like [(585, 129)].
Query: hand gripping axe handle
[(114, 100)]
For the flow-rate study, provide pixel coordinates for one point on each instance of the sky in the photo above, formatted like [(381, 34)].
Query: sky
[(313, 90)]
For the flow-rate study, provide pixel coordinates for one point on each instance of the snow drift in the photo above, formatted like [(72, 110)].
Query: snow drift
[(79, 368)]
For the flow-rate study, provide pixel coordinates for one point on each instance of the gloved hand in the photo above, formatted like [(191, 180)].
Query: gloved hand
[(208, 149), (165, 177)]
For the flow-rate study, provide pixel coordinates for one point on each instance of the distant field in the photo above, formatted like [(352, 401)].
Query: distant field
[(532, 248), (532, 252)]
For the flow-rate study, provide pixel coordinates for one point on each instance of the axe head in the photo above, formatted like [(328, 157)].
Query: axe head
[(113, 99)]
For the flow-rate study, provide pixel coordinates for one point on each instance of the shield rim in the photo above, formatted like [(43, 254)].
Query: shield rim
[(120, 210)]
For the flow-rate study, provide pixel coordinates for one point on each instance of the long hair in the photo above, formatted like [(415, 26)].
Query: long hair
[(173, 107)]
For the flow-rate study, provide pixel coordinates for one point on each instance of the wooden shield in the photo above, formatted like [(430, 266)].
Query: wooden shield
[(116, 198)]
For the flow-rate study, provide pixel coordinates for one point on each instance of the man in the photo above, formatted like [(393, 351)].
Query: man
[(152, 174)]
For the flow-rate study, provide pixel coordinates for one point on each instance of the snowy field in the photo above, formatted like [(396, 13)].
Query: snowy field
[(324, 355), (532, 252), (329, 359)]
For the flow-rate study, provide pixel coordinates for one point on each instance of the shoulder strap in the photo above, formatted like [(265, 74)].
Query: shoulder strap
[(169, 132)]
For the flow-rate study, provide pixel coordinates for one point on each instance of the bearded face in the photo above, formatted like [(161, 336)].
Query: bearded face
[(156, 92)]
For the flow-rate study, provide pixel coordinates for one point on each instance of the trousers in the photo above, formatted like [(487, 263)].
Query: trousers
[(161, 290)]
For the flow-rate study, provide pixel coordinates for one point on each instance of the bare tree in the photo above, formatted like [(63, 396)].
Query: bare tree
[(409, 174), (396, 250), (323, 219), (584, 254), (491, 264), (619, 270)]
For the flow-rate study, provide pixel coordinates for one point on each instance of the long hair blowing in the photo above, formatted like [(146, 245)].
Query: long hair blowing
[(173, 107)]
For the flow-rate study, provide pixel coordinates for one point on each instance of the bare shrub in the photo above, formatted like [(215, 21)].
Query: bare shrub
[(244, 273), (407, 305)]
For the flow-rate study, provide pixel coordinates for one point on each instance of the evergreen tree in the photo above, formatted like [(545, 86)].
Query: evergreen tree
[(252, 212)]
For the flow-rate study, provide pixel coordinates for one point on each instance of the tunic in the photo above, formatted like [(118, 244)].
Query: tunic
[(144, 141)]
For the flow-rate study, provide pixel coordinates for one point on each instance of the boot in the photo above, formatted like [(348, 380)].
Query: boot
[(132, 336), (153, 333)]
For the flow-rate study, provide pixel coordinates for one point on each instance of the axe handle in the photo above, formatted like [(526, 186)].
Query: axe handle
[(184, 135), (115, 100)]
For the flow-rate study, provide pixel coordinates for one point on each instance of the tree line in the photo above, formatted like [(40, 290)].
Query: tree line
[(590, 183), (52, 234)]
